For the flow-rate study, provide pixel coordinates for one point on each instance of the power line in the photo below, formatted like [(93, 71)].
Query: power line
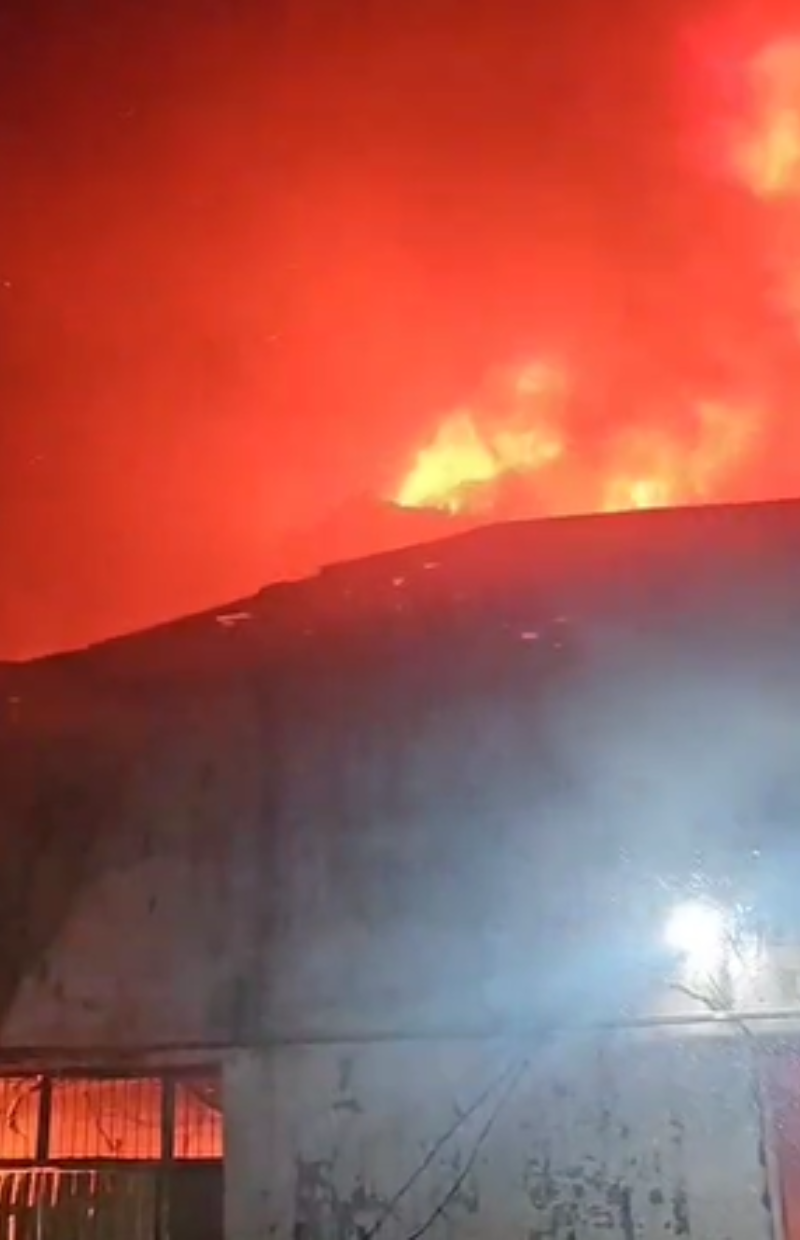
[(421, 1168), (480, 1141)]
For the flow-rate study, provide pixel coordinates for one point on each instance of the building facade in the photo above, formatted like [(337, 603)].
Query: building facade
[(377, 870)]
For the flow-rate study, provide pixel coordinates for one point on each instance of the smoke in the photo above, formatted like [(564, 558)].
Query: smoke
[(251, 255)]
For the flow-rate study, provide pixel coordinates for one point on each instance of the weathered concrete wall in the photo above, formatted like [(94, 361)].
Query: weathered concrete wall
[(359, 873), (157, 940), (621, 1140), (389, 798)]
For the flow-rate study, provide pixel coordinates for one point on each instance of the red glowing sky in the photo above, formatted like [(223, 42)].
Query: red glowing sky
[(248, 250)]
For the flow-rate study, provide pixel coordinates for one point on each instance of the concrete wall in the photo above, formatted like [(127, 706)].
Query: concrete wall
[(158, 938), (624, 1139), (383, 861), (453, 788)]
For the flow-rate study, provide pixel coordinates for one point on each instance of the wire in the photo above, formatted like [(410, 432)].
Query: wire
[(422, 1167), (481, 1140)]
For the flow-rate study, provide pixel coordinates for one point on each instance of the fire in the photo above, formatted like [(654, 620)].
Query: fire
[(766, 154), (532, 445), (475, 448), (475, 459), (658, 469), (453, 470)]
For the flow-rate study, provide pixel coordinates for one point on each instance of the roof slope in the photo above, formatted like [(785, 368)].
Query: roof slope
[(593, 556)]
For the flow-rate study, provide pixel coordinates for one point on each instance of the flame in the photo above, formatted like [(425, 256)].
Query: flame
[(766, 153), (659, 469), (453, 471), (472, 457), (530, 443)]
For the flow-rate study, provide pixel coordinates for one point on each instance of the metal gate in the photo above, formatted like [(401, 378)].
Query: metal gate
[(111, 1157)]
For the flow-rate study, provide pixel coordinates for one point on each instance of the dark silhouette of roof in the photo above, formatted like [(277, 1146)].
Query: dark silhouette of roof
[(584, 559)]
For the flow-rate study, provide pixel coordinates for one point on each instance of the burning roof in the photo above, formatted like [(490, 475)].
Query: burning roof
[(523, 444), (599, 560)]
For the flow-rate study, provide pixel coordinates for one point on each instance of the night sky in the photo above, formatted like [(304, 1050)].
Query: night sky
[(249, 251)]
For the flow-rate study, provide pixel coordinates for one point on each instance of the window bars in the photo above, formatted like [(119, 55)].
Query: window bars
[(57, 1119)]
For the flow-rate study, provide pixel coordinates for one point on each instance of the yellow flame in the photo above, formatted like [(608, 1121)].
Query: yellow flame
[(653, 469), (767, 156), (654, 465), (473, 448)]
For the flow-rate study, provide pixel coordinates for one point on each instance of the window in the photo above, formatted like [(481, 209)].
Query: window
[(198, 1119), (20, 1101), (122, 1156), (106, 1119), (70, 1118)]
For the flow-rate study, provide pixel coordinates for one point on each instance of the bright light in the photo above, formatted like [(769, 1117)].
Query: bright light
[(699, 933)]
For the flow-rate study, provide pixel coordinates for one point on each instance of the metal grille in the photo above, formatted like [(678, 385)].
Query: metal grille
[(102, 1119), (97, 1120), (111, 1158), (51, 1204), (19, 1118), (198, 1119)]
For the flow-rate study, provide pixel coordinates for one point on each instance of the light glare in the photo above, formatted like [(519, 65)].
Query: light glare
[(698, 932)]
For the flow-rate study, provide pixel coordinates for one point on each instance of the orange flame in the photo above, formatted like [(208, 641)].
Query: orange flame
[(765, 156), (473, 449), (523, 444), (657, 469), (766, 153), (473, 455), (461, 459)]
